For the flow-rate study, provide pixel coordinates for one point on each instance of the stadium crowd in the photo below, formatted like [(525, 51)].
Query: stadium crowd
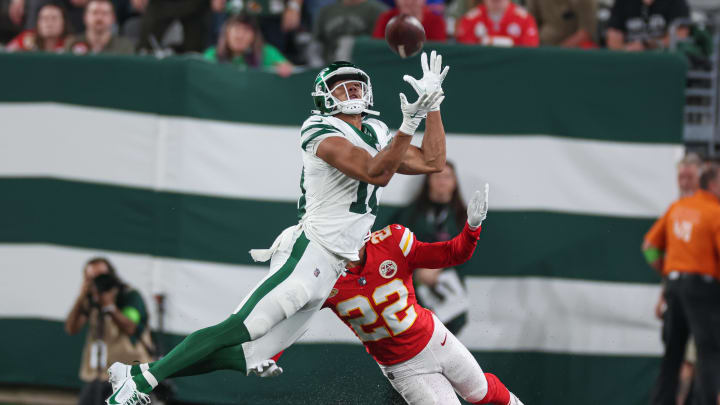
[(281, 34)]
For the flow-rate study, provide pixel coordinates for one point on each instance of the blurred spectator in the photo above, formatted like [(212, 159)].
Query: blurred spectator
[(26, 12), (98, 36), (50, 35), (497, 23), (434, 24), (568, 23), (117, 327), (437, 214), (278, 20), (241, 44), (8, 29), (688, 180), (638, 25), (436, 6), (684, 245), (345, 18), (688, 175), (158, 15)]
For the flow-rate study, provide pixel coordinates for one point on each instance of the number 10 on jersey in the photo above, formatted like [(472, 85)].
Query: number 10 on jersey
[(361, 205)]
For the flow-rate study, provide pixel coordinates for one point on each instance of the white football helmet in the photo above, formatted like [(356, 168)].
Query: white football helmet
[(327, 81)]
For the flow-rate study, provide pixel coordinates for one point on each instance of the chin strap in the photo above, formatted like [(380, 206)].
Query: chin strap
[(365, 111)]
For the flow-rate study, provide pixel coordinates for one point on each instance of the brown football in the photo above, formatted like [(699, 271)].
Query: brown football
[(405, 35)]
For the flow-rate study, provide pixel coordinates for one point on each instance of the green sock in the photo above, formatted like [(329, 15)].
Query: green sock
[(195, 353), (135, 370), (229, 358), (142, 384)]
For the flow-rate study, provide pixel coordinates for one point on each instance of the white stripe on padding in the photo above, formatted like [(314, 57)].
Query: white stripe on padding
[(506, 313), (150, 378), (144, 367), (200, 157)]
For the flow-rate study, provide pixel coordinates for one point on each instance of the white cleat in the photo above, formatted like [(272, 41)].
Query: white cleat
[(514, 400), (128, 394), (118, 373)]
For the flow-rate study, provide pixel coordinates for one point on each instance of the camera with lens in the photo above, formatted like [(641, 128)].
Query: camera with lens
[(105, 282)]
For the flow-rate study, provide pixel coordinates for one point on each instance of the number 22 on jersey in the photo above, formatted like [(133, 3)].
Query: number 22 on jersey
[(368, 316)]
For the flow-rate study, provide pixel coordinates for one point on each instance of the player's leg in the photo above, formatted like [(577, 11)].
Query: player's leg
[(463, 371), (419, 380), (227, 358), (277, 296), (426, 389), (246, 356)]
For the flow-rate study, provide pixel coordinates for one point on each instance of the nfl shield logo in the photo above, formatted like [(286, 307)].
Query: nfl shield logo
[(316, 272)]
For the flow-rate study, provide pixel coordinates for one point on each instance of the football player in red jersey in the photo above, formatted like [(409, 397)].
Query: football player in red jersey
[(424, 361), (498, 23)]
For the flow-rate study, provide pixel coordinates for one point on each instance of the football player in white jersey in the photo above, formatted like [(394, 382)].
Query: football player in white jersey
[(347, 158)]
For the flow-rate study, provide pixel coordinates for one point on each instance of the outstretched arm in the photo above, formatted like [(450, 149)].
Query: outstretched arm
[(357, 163), (459, 249), (438, 255), (430, 156)]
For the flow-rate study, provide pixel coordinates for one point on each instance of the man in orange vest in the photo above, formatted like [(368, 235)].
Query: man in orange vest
[(684, 245)]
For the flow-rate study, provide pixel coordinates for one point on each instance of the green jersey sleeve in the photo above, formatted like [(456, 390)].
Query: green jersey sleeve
[(272, 56)]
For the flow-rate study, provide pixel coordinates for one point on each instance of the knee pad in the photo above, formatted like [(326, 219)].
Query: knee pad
[(479, 393), (292, 298), (280, 304), (258, 325)]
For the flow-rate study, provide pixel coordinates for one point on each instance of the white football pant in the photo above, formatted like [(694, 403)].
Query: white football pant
[(279, 309), (445, 366)]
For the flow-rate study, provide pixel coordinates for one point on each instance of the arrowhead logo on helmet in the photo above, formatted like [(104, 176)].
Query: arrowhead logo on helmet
[(340, 74)]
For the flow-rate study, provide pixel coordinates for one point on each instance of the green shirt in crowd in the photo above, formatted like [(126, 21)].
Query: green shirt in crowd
[(271, 56)]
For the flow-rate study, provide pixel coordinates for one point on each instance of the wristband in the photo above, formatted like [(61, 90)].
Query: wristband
[(652, 254), (409, 126)]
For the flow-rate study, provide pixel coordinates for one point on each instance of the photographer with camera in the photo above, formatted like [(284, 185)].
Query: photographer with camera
[(117, 327)]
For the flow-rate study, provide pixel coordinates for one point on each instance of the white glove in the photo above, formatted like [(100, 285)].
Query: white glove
[(478, 208), (414, 113), (267, 368), (432, 77)]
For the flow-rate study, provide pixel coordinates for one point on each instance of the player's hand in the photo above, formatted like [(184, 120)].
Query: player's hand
[(267, 368), (478, 208), (415, 112), (433, 76)]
